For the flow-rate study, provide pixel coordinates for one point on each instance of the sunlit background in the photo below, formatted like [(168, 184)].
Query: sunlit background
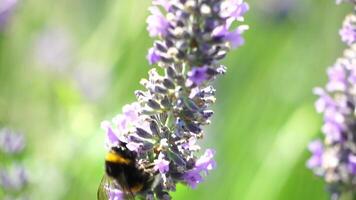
[(67, 65)]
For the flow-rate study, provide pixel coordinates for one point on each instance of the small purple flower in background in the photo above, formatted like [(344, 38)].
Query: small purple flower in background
[(6, 9), (11, 142), (334, 158), (92, 80), (15, 178), (54, 50), (162, 127)]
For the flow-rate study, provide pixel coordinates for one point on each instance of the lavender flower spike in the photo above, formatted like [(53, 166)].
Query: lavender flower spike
[(13, 175), (160, 130), (334, 158)]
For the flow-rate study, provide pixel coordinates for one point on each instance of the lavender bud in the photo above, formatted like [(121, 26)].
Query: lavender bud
[(154, 128), (142, 133), (168, 83), (153, 104)]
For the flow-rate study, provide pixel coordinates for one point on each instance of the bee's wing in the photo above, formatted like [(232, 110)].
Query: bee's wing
[(107, 182), (102, 193)]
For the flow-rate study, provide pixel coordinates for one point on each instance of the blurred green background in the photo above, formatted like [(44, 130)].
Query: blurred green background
[(67, 65)]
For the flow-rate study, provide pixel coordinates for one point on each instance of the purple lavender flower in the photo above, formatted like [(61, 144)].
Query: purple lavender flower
[(206, 162), (6, 9), (157, 23), (233, 9), (153, 57), (161, 129), (348, 31), (316, 148), (193, 178), (116, 130), (198, 75), (161, 164), (11, 142)]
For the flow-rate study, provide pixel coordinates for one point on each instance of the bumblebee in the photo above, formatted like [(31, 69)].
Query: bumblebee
[(121, 172)]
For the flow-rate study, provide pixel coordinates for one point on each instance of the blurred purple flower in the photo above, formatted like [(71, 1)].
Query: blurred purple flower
[(6, 9), (352, 164), (92, 79), (164, 3), (14, 178), (111, 138), (157, 23), (348, 30), (235, 37), (206, 162), (54, 50), (317, 149), (337, 78), (11, 142), (152, 56), (233, 9)]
